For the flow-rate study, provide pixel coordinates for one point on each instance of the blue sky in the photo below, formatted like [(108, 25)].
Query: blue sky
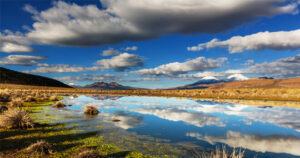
[(39, 36)]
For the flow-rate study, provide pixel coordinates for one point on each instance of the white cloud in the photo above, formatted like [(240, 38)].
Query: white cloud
[(289, 40), (131, 20), (95, 77), (286, 67), (14, 42), (121, 62), (172, 114), (259, 143), (30, 9), (24, 60), (106, 78), (110, 52), (126, 120), (176, 68), (133, 48), (60, 68), (249, 63)]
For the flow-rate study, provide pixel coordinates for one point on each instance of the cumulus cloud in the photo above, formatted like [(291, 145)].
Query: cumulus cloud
[(259, 143), (14, 42), (223, 75), (24, 60), (127, 120), (121, 62), (60, 68), (249, 63), (131, 20), (133, 48), (110, 52), (172, 114), (289, 40), (105, 78), (286, 67), (94, 77), (176, 68)]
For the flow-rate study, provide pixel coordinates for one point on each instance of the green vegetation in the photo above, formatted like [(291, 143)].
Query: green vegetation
[(33, 130)]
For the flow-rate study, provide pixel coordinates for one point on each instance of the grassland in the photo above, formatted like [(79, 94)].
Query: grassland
[(272, 94), (31, 133), (27, 132)]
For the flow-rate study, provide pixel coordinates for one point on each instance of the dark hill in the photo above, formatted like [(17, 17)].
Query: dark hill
[(13, 77), (109, 86)]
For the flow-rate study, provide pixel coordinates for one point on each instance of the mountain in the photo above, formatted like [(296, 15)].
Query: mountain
[(108, 86), (208, 81), (13, 77)]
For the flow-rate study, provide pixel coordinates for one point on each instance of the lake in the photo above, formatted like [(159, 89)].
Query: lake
[(185, 127)]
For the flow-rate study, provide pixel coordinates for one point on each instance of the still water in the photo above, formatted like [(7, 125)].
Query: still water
[(187, 127)]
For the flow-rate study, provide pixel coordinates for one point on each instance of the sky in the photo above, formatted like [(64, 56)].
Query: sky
[(151, 44)]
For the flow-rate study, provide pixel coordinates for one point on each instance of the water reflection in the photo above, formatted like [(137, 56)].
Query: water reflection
[(172, 114), (200, 124), (126, 120), (271, 143)]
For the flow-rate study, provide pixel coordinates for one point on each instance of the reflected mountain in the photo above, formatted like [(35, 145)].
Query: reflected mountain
[(259, 143), (172, 114), (104, 97)]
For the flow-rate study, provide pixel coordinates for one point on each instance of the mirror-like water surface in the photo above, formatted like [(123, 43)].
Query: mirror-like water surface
[(187, 127)]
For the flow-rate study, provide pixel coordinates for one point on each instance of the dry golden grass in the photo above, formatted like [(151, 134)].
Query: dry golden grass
[(90, 110), (274, 94), (89, 154), (15, 118), (40, 147), (16, 102), (3, 108), (29, 99), (224, 154), (53, 98), (58, 105)]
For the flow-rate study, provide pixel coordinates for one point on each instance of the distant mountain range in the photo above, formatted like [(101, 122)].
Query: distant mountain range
[(108, 86), (234, 81), (13, 77), (207, 82)]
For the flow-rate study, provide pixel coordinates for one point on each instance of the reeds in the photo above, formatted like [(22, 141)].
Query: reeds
[(224, 153)]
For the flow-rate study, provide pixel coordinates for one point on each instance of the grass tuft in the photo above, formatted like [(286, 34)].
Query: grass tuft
[(59, 105), (15, 118), (16, 102), (89, 154), (90, 110), (224, 154), (3, 108), (40, 147), (30, 99)]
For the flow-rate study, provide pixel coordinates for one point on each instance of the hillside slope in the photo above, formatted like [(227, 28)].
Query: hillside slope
[(13, 77), (260, 83), (108, 86)]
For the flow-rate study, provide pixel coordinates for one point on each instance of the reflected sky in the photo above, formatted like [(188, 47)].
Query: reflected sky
[(265, 132)]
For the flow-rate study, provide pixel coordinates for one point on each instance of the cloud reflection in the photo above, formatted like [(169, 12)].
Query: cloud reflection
[(172, 114), (271, 143)]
